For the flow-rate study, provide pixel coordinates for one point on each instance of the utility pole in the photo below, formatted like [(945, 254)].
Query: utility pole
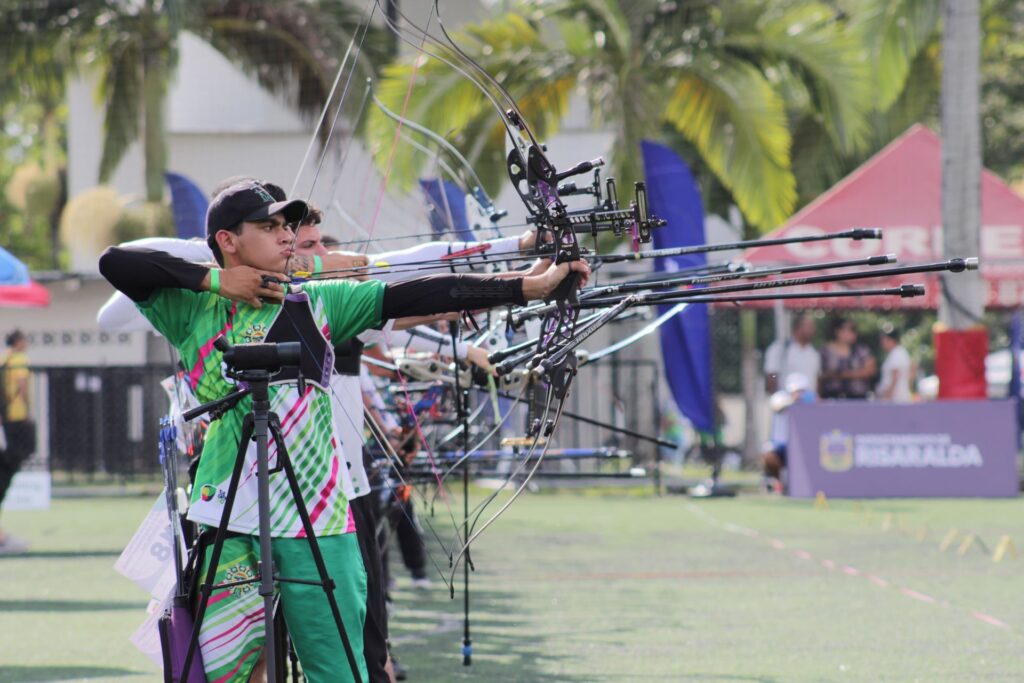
[(963, 300)]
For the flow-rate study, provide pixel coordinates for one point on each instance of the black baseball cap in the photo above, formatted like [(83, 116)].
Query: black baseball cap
[(248, 201)]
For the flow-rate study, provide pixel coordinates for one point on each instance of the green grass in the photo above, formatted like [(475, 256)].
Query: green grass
[(606, 587)]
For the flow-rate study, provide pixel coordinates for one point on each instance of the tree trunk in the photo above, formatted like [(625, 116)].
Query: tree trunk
[(154, 93), (963, 300)]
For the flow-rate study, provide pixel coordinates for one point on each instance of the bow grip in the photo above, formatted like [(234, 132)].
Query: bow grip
[(566, 289)]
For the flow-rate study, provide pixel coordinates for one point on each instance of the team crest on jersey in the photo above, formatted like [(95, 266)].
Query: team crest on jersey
[(207, 492), (240, 572), (255, 333)]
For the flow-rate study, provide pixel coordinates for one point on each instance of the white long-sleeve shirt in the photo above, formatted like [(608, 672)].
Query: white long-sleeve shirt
[(432, 251), (119, 314)]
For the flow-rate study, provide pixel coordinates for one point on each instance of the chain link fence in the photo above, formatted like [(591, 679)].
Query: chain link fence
[(101, 424)]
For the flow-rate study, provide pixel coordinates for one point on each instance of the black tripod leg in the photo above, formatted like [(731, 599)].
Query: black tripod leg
[(281, 634), (218, 545), (326, 581)]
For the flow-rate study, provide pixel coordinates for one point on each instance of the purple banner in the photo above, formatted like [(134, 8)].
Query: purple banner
[(857, 449)]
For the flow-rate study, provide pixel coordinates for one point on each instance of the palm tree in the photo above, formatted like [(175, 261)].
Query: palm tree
[(903, 42), (718, 76), (292, 49)]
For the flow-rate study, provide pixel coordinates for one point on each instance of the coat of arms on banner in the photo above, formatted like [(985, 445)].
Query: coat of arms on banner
[(835, 451)]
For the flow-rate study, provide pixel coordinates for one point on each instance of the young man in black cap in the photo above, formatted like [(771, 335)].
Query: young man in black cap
[(192, 305)]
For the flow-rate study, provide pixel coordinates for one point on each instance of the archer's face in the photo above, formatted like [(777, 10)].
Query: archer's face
[(309, 242), (265, 244)]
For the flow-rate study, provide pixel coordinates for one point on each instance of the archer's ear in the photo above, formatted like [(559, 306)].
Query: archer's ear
[(227, 241)]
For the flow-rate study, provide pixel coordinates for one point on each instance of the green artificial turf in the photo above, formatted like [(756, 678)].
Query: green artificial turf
[(610, 586)]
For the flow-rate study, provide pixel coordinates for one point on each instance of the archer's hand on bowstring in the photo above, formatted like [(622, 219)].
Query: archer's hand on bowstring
[(339, 264), (249, 285), (543, 284), (528, 239), (478, 357)]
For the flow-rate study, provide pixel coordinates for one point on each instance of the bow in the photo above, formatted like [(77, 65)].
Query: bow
[(536, 181)]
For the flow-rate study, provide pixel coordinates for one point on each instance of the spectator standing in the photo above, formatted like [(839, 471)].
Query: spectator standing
[(18, 427), (794, 355), (846, 366), (897, 368), (773, 456)]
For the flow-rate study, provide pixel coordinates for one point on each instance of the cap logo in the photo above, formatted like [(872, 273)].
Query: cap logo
[(263, 194)]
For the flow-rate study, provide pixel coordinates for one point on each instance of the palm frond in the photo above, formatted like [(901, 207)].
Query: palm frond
[(292, 49), (43, 45), (508, 48), (730, 112), (806, 44), (894, 31), (917, 102), (120, 89), (277, 59), (817, 164), (617, 20)]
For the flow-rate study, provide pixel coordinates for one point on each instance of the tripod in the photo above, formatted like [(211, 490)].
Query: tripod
[(260, 425)]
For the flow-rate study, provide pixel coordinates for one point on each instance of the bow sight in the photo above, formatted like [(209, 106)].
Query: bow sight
[(606, 215)]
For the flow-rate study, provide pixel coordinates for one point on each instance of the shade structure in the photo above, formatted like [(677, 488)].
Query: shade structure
[(900, 190), (16, 287)]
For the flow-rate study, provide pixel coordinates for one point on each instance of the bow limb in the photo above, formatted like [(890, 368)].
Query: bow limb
[(478, 193), (635, 337), (474, 531)]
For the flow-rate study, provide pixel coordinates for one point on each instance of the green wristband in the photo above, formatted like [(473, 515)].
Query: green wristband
[(318, 263), (215, 280)]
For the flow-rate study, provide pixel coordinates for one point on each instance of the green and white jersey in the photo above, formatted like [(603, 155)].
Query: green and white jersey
[(191, 321)]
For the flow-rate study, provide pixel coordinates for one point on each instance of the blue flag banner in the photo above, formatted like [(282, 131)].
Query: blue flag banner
[(686, 339), (447, 208), (189, 205), (12, 271)]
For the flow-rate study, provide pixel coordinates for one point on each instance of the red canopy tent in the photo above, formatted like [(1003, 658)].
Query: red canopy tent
[(900, 190), (17, 289), (32, 295)]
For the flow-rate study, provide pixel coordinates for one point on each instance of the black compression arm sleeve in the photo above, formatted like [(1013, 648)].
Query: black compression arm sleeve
[(447, 293), (139, 272)]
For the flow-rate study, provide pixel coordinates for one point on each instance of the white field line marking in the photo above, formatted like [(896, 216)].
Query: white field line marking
[(917, 596), (742, 530), (989, 619), (848, 570)]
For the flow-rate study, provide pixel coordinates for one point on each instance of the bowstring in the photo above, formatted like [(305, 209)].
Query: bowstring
[(394, 143), (376, 213), (337, 114), (473, 533), (341, 102), (326, 107)]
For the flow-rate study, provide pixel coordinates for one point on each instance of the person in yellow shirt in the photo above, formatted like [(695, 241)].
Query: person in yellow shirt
[(18, 428)]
